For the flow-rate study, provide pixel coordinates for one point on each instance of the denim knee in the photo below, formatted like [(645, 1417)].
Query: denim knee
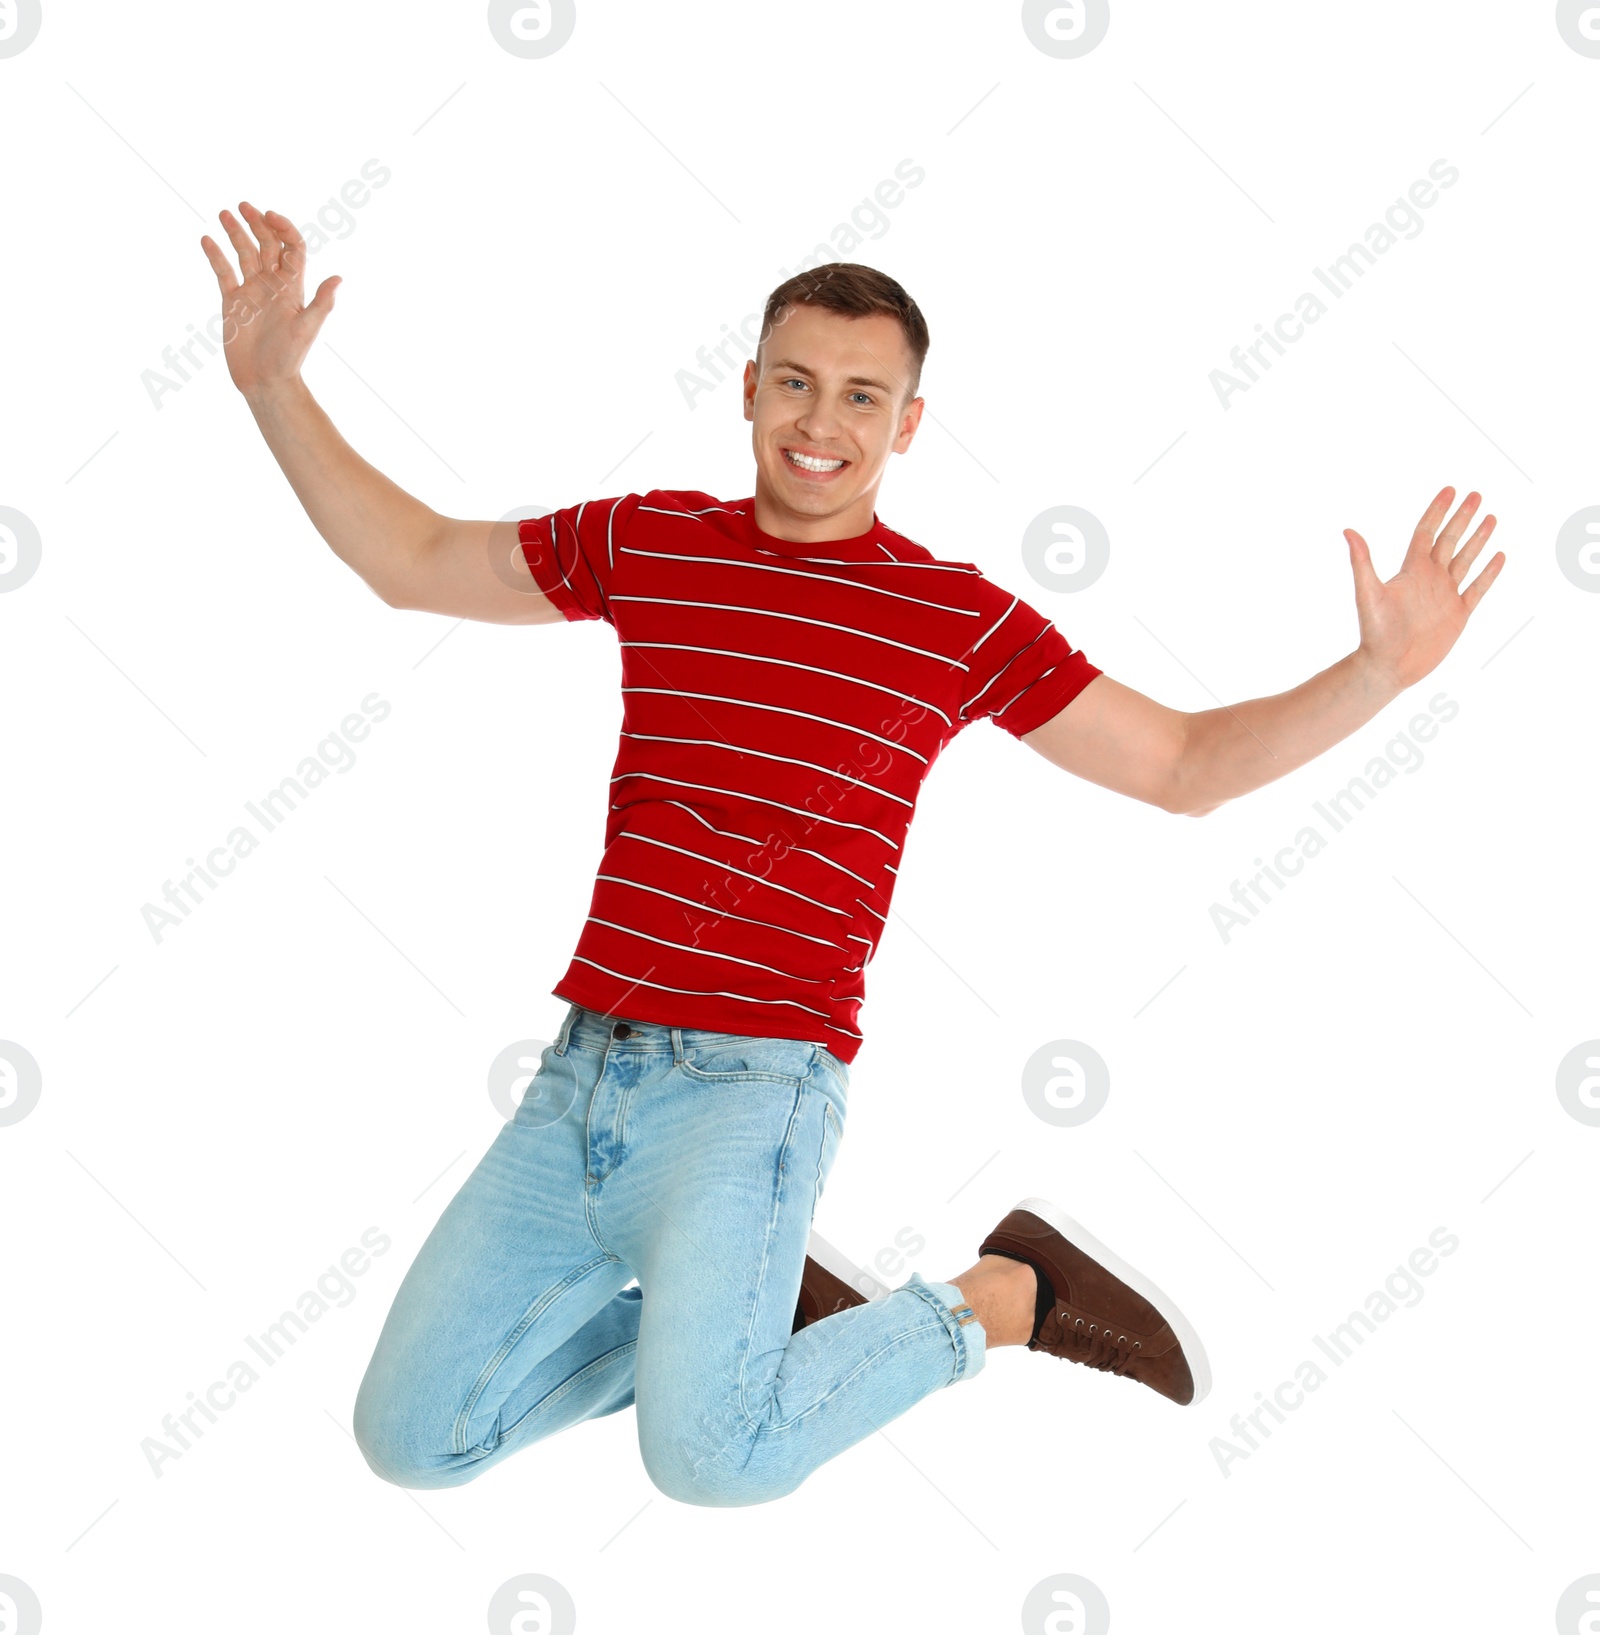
[(715, 1486), (711, 1466), (399, 1453)]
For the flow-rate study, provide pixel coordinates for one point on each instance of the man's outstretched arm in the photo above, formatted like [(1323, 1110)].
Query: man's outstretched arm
[(1193, 762), (408, 553)]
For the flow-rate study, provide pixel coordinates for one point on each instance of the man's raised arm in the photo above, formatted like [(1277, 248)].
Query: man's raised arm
[(1193, 762), (408, 553)]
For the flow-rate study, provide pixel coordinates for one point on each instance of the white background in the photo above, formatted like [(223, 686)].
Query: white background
[(226, 1111)]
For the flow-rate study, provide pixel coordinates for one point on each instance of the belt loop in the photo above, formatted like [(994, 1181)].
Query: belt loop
[(566, 1029), (677, 1047)]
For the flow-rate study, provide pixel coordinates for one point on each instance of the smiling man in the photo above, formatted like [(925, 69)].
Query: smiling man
[(791, 669)]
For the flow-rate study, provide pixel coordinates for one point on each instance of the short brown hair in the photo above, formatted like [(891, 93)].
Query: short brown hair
[(856, 291)]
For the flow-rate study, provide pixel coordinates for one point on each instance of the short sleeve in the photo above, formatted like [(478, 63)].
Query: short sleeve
[(572, 553), (1020, 670)]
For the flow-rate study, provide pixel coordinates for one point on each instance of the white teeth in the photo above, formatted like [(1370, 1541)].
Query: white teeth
[(806, 463)]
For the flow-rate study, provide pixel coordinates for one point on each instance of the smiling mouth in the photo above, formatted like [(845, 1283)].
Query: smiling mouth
[(811, 465)]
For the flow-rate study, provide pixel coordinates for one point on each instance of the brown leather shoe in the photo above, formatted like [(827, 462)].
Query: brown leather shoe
[(831, 1282), (1106, 1315)]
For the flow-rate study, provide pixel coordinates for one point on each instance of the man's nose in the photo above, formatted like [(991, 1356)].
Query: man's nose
[(819, 420)]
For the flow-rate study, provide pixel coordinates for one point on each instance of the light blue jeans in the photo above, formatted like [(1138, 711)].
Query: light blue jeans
[(692, 1160)]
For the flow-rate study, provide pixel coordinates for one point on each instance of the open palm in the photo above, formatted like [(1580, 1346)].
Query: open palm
[(1410, 622), (268, 327)]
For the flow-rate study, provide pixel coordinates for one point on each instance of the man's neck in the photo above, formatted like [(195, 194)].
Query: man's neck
[(784, 522)]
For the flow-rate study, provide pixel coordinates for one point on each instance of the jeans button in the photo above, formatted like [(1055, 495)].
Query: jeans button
[(621, 1031)]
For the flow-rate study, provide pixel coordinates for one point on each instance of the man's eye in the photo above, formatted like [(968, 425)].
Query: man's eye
[(862, 394), (794, 380)]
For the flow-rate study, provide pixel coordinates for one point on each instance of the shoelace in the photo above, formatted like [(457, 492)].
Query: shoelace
[(1092, 1345)]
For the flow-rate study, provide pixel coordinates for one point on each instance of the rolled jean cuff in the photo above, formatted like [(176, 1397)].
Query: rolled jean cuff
[(967, 1338)]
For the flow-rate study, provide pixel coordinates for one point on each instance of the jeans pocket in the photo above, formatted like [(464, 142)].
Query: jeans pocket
[(735, 1058), (832, 1134), (550, 1093)]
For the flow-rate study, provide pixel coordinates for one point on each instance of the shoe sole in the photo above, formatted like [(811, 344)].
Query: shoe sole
[(1081, 1238), (842, 1267)]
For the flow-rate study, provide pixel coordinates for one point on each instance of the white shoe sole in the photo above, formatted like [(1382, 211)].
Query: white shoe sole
[(1180, 1325), (843, 1268)]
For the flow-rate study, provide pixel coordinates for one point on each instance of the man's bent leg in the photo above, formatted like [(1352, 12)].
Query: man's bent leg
[(513, 1321), (712, 1202)]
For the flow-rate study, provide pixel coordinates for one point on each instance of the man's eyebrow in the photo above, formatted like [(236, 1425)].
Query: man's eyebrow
[(850, 380)]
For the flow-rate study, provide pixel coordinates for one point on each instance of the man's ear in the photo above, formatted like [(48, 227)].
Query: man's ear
[(909, 421), (747, 388)]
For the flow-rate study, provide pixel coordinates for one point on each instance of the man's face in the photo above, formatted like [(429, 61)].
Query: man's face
[(829, 389)]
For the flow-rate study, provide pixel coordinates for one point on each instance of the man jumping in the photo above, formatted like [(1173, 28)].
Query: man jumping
[(791, 669)]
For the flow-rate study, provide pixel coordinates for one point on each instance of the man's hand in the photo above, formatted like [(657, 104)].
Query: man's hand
[(1193, 762), (409, 554), (1410, 622), (268, 328)]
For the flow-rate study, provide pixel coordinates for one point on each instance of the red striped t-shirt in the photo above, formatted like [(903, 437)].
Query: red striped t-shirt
[(782, 704)]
